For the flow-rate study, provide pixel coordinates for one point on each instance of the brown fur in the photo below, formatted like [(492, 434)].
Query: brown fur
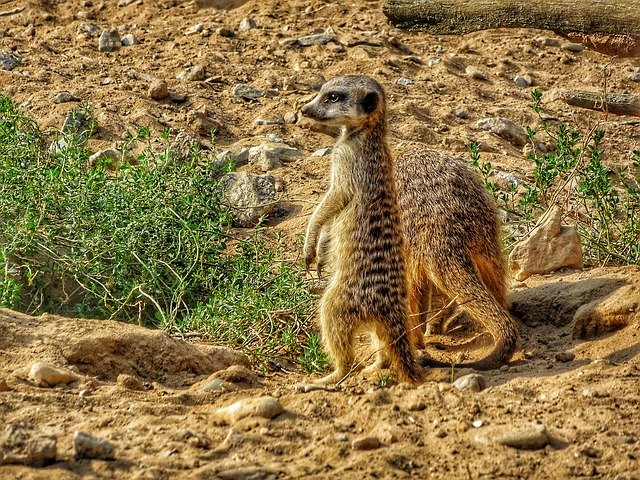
[(367, 290), (451, 228)]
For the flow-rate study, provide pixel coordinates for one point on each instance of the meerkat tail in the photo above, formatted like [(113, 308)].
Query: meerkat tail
[(401, 351), (480, 304)]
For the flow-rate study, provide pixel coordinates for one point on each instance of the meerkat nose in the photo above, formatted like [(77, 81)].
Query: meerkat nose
[(305, 110)]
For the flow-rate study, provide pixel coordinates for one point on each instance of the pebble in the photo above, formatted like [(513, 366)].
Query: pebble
[(247, 92), (22, 444), (177, 97), (247, 23), (90, 29), (404, 81), (238, 155), (192, 74), (317, 39), (198, 28), (473, 381), (573, 47), (158, 90), (308, 387), (181, 146), (246, 473), (109, 153), (475, 73), (90, 447), (272, 155), (635, 75), (269, 121), (130, 382), (64, 96), (366, 443), (128, 40), (219, 385), (8, 61), (565, 357), (30, 31), (45, 375), (3, 385), (124, 3), (522, 81), (548, 41), (322, 152), (461, 113), (202, 123), (524, 437), (109, 40), (262, 407), (503, 128)]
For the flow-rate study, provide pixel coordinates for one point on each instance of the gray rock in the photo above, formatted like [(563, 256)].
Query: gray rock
[(219, 385), (90, 29), (317, 39), (128, 40), (573, 47), (182, 146), (503, 128), (635, 75), (198, 28), (321, 152), (109, 153), (247, 23), (90, 447), (124, 3), (404, 81), (549, 247), (64, 96), (158, 90), (548, 42), (271, 155), (260, 407), (475, 73), (8, 61), (109, 40), (472, 381), (565, 357), (524, 437), (22, 444), (522, 81), (238, 154), (366, 443), (249, 196), (45, 375), (193, 74), (247, 92)]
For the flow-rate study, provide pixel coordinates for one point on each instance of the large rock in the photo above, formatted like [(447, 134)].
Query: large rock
[(21, 443), (272, 155), (550, 246), (249, 196), (505, 129)]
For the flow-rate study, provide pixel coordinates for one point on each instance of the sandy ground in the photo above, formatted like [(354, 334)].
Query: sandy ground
[(577, 371)]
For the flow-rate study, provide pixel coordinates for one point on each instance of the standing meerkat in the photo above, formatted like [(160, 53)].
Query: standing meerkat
[(367, 290), (452, 230)]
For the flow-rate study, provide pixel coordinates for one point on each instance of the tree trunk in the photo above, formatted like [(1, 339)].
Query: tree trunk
[(615, 103), (608, 26)]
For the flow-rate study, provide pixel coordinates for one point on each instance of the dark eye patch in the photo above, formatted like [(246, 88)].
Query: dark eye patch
[(334, 97)]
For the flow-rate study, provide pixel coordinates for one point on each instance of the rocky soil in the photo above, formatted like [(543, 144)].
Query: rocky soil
[(89, 399)]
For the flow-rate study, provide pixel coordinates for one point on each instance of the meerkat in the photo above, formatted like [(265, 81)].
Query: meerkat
[(452, 230), (367, 289)]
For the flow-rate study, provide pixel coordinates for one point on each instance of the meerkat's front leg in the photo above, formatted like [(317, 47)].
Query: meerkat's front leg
[(332, 203)]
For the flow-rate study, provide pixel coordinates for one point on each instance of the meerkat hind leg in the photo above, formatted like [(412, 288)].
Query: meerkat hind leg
[(381, 354)]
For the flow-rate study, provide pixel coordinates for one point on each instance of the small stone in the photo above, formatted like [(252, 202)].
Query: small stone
[(524, 437), (503, 128), (477, 423), (193, 74), (225, 32), (182, 146), (635, 75), (130, 382), (404, 81), (249, 196), (45, 375), (565, 357), (124, 3), (198, 28), (548, 42), (317, 39), (322, 152), (550, 246), (461, 113), (473, 381), (158, 90), (247, 23), (8, 61), (128, 40), (246, 91), (90, 447), (573, 47), (272, 155), (475, 73), (290, 117), (269, 121), (366, 443), (3, 385), (522, 81), (64, 96), (237, 154), (90, 29), (261, 407), (22, 444), (108, 153), (219, 385), (177, 97), (109, 40), (308, 387)]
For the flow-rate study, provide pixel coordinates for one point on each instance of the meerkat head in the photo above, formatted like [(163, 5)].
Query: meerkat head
[(351, 101)]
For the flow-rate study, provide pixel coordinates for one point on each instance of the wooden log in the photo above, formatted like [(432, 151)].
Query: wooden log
[(611, 26), (615, 103)]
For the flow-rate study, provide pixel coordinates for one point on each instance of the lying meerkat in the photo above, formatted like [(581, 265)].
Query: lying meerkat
[(365, 246)]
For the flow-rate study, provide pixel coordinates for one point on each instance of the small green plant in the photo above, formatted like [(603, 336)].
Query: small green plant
[(384, 380), (146, 239), (313, 358), (574, 175)]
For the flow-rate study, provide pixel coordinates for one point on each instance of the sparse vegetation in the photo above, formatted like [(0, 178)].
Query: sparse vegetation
[(146, 240), (605, 204)]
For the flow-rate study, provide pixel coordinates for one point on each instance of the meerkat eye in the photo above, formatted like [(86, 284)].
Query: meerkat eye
[(334, 97)]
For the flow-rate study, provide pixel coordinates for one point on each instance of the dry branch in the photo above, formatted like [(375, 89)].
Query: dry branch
[(612, 27), (615, 103)]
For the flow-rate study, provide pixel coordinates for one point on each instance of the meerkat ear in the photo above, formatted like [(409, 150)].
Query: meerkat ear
[(369, 102)]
